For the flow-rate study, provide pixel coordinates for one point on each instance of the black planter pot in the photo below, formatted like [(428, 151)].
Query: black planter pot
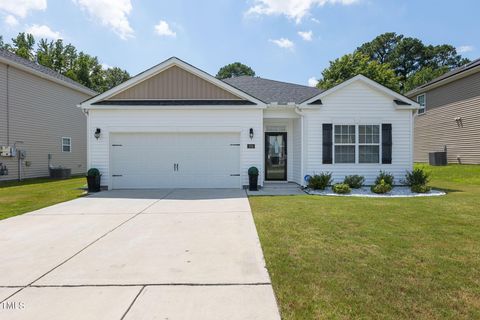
[(93, 183), (253, 182)]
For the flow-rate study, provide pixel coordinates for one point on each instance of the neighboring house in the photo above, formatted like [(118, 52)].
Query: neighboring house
[(177, 126), (38, 117), (449, 117)]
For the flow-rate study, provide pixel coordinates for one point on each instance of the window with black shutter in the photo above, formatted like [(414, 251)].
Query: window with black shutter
[(386, 143), (327, 134)]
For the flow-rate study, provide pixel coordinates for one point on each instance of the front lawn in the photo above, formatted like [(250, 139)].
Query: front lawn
[(32, 194), (344, 258)]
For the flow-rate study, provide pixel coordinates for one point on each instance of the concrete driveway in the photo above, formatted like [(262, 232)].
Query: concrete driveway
[(136, 254)]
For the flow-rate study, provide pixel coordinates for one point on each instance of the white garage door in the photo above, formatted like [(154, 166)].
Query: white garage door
[(175, 160)]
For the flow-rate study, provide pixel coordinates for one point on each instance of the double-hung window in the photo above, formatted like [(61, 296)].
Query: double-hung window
[(66, 144), (344, 143), (368, 144), (421, 101)]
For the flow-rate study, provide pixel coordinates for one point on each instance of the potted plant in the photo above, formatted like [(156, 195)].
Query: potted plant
[(93, 180), (253, 179)]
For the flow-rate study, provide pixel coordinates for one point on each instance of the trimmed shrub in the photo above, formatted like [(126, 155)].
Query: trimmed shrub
[(93, 172), (387, 177), (320, 181), (341, 188), (354, 181), (253, 171), (417, 177), (420, 188), (382, 187)]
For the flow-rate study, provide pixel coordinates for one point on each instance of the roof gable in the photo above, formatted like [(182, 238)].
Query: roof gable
[(172, 80), (399, 101)]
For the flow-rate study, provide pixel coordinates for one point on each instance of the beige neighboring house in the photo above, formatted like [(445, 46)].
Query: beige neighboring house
[(38, 117), (449, 117)]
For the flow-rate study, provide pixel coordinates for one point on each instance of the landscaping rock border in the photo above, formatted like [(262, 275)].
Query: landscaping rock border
[(397, 192)]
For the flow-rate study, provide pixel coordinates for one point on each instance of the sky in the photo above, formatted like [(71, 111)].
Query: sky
[(286, 40)]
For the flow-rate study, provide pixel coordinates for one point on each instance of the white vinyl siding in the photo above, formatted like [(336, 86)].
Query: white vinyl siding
[(359, 104), (235, 121)]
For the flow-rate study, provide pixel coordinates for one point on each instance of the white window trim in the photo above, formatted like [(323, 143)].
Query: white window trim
[(424, 108), (357, 144), (70, 144)]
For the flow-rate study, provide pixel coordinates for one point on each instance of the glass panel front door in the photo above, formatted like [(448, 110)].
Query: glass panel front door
[(275, 156)]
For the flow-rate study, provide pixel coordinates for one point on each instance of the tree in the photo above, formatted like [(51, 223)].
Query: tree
[(423, 76), (23, 46), (114, 77), (407, 56), (235, 69), (354, 64)]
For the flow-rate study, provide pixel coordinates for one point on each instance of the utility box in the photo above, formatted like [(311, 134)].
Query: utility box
[(7, 151)]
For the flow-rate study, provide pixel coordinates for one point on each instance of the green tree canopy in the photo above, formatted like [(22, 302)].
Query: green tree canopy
[(65, 59), (235, 69), (354, 64)]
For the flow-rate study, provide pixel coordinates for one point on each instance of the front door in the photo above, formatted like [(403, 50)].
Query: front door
[(275, 156)]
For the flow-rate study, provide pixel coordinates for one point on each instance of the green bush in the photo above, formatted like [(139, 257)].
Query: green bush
[(420, 188), (341, 188), (354, 181), (382, 187), (253, 171), (417, 177), (320, 181), (93, 172), (387, 177)]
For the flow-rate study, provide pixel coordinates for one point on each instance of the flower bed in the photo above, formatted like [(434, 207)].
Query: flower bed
[(397, 192)]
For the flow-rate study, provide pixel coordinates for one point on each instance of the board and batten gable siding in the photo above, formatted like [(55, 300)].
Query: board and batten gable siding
[(175, 83), (358, 103), (138, 120), (437, 128), (41, 113)]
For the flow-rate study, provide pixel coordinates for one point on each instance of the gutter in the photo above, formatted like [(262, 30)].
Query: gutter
[(8, 105)]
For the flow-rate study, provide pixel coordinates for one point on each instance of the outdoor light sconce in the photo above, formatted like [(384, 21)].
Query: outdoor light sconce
[(97, 133), (251, 133)]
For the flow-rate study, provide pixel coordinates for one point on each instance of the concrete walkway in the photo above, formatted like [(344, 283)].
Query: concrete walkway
[(150, 254)]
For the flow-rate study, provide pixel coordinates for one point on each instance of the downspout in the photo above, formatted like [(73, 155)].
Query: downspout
[(8, 107), (301, 114)]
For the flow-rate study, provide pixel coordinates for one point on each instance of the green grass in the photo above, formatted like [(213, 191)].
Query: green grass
[(354, 258), (32, 194)]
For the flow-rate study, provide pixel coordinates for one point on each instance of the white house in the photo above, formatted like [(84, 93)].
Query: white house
[(175, 126)]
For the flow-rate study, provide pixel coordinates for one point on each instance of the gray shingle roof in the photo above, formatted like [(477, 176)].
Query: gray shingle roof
[(39, 68), (468, 66), (273, 91)]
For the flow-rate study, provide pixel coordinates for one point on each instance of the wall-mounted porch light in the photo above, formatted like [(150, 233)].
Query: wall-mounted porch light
[(97, 133), (251, 133)]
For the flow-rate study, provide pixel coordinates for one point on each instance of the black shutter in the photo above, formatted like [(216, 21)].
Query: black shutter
[(327, 143), (386, 143)]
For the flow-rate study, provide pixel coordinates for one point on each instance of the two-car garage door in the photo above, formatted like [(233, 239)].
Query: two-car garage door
[(175, 160)]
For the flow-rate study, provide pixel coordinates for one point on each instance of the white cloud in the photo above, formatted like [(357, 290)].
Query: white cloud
[(315, 20), (163, 29), (43, 31), (106, 66), (312, 82), (293, 9), (20, 8), (465, 49), (110, 13), (11, 21), (283, 43), (306, 35)]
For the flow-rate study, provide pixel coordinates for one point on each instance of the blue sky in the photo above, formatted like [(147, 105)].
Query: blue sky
[(264, 34)]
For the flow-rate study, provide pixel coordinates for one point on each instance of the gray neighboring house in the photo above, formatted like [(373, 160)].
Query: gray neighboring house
[(39, 116), (449, 116)]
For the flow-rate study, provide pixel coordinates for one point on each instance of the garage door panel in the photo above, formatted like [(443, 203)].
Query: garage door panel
[(146, 160)]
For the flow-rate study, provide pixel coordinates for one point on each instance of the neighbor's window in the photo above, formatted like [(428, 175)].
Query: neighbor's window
[(421, 102), (66, 145), (368, 143), (344, 144)]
